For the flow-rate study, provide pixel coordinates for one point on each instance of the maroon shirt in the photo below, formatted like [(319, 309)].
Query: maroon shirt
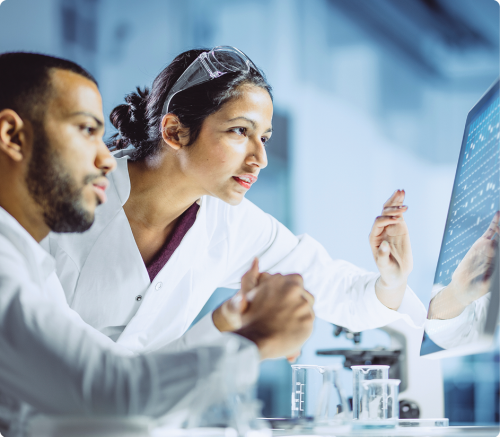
[(186, 220)]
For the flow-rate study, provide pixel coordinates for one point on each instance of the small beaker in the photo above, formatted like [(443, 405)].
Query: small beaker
[(316, 393), (360, 374), (379, 404)]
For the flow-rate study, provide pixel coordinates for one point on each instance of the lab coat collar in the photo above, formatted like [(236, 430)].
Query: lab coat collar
[(26, 244), (120, 176)]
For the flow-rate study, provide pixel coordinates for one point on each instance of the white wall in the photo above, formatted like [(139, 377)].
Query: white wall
[(26, 25)]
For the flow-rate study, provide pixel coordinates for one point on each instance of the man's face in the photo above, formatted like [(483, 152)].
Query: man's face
[(67, 170)]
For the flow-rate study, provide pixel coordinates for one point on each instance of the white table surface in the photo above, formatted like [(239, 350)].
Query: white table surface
[(458, 431)]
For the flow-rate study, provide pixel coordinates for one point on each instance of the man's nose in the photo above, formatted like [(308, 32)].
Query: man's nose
[(104, 160)]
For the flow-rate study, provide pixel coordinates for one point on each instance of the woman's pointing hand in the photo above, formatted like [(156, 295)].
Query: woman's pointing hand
[(391, 248)]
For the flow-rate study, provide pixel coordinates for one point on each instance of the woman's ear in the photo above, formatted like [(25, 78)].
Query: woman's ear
[(14, 135), (172, 131)]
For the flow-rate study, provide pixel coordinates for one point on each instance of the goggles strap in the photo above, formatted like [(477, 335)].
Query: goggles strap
[(203, 61)]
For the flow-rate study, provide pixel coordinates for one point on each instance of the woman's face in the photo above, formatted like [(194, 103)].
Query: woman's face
[(229, 153)]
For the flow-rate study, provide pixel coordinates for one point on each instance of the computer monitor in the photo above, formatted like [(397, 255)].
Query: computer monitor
[(464, 307)]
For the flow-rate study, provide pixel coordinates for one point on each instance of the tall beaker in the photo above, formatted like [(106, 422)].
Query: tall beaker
[(316, 393), (360, 374), (379, 402), (307, 381)]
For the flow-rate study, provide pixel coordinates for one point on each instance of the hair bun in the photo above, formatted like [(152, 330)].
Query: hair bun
[(130, 119)]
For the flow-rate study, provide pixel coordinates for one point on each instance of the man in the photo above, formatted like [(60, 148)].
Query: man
[(53, 167)]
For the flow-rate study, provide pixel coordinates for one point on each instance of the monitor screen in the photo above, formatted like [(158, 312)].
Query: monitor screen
[(464, 297)]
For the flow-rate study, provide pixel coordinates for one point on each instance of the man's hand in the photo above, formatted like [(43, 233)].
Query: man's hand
[(279, 318), (229, 316), (390, 244)]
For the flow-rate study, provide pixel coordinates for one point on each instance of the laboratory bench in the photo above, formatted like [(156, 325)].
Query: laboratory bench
[(345, 431), (50, 426), (458, 431)]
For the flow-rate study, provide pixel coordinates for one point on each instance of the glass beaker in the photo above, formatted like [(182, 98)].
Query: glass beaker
[(332, 407), (316, 393), (379, 404), (360, 374), (307, 381)]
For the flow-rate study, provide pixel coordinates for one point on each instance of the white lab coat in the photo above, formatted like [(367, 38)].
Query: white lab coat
[(53, 362), (464, 329), (102, 272)]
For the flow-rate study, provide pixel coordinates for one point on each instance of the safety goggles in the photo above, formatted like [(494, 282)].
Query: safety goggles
[(210, 65)]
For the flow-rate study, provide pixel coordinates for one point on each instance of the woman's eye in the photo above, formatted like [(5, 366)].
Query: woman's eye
[(239, 130), (264, 140)]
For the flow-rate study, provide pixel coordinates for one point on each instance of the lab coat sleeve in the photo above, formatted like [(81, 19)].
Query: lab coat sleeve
[(345, 294), (463, 329), (202, 333), (54, 361)]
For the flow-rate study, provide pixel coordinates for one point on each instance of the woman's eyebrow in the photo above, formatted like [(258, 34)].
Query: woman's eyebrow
[(244, 118), (252, 122)]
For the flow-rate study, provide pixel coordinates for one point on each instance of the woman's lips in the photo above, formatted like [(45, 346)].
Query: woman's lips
[(250, 179)]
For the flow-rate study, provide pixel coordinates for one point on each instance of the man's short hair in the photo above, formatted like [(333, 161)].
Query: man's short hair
[(25, 80)]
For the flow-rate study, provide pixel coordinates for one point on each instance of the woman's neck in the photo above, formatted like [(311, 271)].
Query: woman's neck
[(159, 192)]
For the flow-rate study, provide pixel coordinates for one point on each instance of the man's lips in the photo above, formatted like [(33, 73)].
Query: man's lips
[(245, 180), (99, 187)]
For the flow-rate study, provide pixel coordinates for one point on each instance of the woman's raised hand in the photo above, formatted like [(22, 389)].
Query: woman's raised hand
[(391, 248)]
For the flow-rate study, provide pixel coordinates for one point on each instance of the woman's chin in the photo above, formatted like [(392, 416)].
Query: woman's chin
[(233, 199)]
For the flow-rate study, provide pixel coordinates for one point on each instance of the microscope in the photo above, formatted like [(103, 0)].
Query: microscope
[(421, 390)]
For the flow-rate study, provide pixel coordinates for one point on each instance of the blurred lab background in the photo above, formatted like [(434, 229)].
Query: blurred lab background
[(370, 96)]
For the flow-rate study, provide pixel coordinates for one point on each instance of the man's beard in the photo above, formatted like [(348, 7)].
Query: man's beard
[(53, 188)]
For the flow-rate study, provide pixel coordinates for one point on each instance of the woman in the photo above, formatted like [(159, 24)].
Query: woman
[(177, 226)]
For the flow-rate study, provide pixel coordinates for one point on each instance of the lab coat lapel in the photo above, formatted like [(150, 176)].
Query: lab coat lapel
[(116, 247), (161, 299)]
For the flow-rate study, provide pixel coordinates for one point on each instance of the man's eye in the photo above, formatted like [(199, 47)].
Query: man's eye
[(239, 130), (265, 140), (89, 130)]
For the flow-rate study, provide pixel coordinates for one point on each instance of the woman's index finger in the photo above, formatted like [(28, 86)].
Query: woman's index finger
[(493, 227), (496, 218)]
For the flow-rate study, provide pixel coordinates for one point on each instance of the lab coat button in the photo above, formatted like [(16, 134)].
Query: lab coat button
[(138, 298), (159, 285)]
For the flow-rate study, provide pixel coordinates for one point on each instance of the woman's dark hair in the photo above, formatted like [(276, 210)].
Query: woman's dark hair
[(139, 120)]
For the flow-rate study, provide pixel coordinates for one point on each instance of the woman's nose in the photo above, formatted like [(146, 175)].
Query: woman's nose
[(258, 155)]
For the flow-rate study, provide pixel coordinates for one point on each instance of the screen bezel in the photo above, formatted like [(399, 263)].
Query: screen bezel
[(486, 340)]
